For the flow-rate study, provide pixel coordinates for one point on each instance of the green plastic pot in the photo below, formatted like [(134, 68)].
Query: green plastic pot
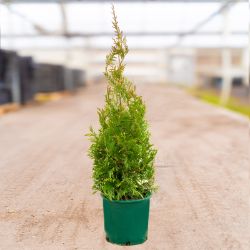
[(126, 221)]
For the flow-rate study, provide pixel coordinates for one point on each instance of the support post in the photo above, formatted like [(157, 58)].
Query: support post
[(68, 77), (14, 79), (226, 61)]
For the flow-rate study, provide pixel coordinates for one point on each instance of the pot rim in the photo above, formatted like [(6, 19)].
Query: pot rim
[(127, 201)]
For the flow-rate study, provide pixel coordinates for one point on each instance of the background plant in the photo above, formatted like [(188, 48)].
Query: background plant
[(121, 150)]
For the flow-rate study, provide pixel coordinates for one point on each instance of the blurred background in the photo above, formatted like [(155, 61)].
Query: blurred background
[(53, 46), (184, 55)]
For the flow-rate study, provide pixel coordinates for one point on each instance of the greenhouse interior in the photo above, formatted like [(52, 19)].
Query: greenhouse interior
[(71, 68)]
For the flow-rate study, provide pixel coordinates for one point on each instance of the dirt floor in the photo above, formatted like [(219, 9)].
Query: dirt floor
[(46, 200)]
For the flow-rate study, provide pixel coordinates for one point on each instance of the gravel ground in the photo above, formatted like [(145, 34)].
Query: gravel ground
[(202, 170)]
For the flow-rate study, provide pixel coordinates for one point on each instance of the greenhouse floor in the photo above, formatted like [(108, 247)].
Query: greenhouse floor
[(202, 172)]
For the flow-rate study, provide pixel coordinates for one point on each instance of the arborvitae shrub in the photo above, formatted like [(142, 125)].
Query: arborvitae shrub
[(122, 153)]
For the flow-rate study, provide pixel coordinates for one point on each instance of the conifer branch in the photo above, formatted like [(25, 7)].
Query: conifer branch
[(123, 155)]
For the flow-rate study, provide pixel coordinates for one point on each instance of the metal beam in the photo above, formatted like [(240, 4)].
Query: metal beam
[(116, 1), (64, 17), (36, 26), (224, 7), (108, 34)]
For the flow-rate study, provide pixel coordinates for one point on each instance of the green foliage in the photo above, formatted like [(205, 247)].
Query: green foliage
[(121, 150), (213, 98)]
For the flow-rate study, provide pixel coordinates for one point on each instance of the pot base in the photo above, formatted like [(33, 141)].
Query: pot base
[(126, 221), (127, 243)]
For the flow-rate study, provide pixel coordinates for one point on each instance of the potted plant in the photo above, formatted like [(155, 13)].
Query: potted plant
[(123, 156)]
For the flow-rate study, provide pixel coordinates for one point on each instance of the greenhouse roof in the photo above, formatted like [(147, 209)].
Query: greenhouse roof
[(30, 23)]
